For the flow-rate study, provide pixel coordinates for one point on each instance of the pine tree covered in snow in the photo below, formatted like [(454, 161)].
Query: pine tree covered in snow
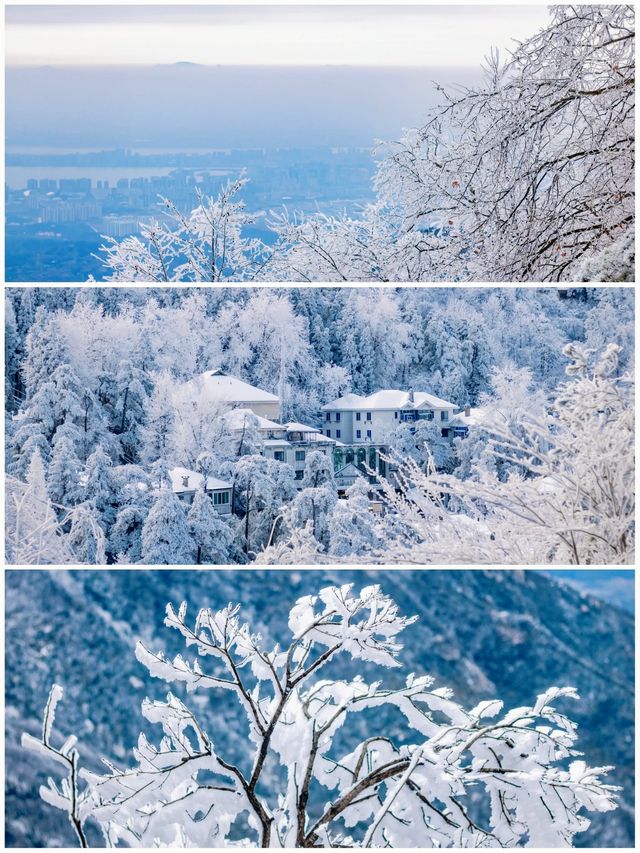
[(165, 534), (99, 487), (296, 786), (63, 474), (38, 533), (212, 536)]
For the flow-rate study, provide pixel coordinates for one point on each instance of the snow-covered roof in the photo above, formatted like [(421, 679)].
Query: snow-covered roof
[(483, 416), (217, 387), (349, 470), (236, 418), (349, 401), (292, 426), (317, 434), (276, 442), (194, 481), (389, 399)]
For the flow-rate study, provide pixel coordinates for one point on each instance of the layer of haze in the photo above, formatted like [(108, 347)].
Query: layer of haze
[(240, 76), (182, 107), (442, 36)]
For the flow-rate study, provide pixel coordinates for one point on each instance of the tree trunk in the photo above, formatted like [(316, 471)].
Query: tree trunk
[(124, 410), (246, 524)]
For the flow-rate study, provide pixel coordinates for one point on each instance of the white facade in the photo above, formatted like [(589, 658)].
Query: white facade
[(354, 420), (290, 443), (294, 445)]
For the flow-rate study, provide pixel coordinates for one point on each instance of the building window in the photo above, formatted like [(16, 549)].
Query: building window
[(220, 498), (278, 455), (445, 433), (300, 455), (368, 433), (337, 433), (368, 416), (444, 416), (299, 475), (337, 417), (395, 415), (328, 433), (358, 416), (327, 417), (358, 433)]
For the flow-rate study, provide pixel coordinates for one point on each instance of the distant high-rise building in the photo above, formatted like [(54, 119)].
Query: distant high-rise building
[(113, 225), (75, 185)]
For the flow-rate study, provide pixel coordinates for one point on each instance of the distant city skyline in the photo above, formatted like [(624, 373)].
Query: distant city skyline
[(274, 35)]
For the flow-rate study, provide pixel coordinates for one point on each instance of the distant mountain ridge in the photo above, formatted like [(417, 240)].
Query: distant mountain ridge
[(484, 633)]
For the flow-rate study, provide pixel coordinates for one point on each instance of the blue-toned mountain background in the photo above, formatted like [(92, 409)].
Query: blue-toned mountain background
[(506, 634)]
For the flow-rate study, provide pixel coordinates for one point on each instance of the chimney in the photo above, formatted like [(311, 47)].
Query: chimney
[(185, 482), (467, 411), (411, 397)]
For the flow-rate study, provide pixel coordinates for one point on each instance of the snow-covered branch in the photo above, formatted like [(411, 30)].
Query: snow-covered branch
[(413, 792)]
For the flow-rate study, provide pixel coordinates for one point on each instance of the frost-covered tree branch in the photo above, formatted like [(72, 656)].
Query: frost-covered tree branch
[(532, 172), (413, 791), (574, 500), (39, 532), (68, 797), (528, 176), (207, 245)]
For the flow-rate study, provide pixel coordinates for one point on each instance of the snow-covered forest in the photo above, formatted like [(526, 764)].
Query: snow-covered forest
[(528, 176), (104, 432), (451, 777)]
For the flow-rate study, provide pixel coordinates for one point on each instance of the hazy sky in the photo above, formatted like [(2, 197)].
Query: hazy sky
[(443, 36)]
